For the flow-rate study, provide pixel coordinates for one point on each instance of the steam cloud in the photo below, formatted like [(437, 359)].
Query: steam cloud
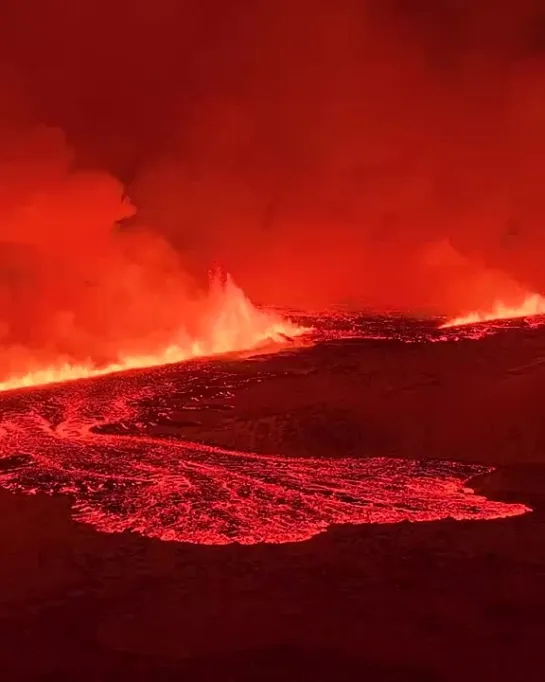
[(384, 152)]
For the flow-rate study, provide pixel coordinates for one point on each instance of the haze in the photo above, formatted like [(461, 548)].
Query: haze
[(388, 154)]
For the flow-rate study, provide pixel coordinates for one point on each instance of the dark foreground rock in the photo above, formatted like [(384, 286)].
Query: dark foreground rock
[(438, 601), (514, 482)]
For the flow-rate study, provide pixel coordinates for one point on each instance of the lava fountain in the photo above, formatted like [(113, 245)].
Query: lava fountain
[(532, 305), (231, 323)]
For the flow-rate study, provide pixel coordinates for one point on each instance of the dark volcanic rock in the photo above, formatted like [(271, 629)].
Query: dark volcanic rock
[(523, 482)]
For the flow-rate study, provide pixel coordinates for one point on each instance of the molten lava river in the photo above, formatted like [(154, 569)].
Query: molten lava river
[(86, 439)]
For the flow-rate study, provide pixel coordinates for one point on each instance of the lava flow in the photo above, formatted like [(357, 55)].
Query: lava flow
[(88, 441), (234, 324), (533, 304)]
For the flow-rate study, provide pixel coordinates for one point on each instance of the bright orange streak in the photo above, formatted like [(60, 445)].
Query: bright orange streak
[(533, 304), (235, 324)]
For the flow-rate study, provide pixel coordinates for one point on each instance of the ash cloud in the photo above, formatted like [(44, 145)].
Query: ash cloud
[(388, 153)]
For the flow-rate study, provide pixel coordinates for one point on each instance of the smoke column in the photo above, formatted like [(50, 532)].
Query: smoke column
[(383, 153)]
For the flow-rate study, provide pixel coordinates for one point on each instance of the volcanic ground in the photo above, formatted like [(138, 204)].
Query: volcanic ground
[(365, 504)]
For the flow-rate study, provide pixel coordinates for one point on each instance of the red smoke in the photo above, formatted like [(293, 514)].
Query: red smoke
[(388, 154), (81, 294)]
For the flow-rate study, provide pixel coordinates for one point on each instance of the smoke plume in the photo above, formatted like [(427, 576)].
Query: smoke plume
[(385, 153)]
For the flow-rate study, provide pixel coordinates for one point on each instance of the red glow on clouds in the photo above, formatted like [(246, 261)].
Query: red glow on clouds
[(278, 149)]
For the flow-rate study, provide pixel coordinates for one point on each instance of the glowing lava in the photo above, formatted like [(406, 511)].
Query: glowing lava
[(232, 323), (533, 304), (82, 440)]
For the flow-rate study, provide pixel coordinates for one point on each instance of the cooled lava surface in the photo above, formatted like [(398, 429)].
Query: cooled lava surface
[(156, 451)]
